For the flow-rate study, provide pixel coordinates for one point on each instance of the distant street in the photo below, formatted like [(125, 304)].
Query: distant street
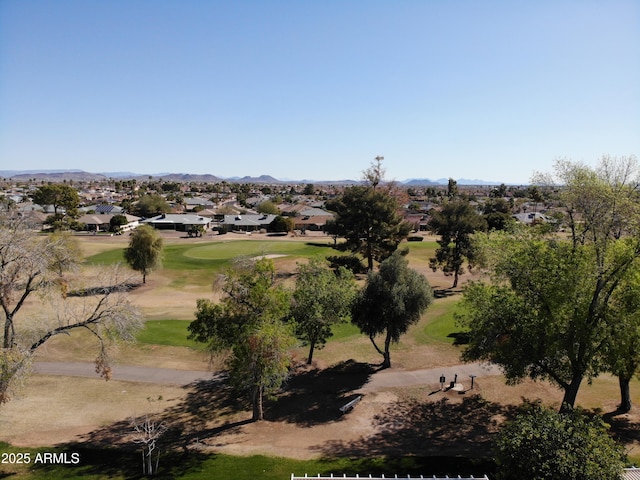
[(380, 380)]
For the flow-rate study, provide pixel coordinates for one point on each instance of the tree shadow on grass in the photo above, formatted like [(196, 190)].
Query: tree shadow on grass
[(443, 292), (423, 428), (313, 397), (459, 338)]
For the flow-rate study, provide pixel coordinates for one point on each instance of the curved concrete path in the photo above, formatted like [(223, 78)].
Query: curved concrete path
[(379, 380)]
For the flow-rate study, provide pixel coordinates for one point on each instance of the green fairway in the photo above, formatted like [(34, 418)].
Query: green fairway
[(167, 332), (213, 255), (438, 324), (194, 264)]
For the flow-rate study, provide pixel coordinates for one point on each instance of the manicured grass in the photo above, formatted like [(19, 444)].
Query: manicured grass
[(344, 331), (167, 332), (438, 325), (442, 327), (213, 255)]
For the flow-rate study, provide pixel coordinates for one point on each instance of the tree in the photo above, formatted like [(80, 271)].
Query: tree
[(151, 205), (29, 265), (309, 189), (117, 222), (549, 312), (268, 207), (540, 444), (452, 189), (497, 214), (59, 196), (393, 299), (146, 432), (281, 224), (247, 324), (261, 363), (321, 299), (622, 346), (144, 253), (368, 218), (455, 224), (369, 221), (544, 316)]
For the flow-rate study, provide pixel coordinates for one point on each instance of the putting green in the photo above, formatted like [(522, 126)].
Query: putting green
[(228, 250)]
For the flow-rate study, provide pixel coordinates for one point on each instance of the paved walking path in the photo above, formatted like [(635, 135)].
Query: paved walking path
[(429, 376), (380, 380), (130, 373)]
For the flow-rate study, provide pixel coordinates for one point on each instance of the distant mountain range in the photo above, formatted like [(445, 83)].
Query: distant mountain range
[(80, 175)]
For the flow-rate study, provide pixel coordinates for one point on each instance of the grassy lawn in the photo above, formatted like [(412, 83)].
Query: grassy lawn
[(213, 255), (167, 332), (194, 264)]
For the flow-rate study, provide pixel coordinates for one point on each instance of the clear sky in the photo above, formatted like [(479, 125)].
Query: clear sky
[(315, 89)]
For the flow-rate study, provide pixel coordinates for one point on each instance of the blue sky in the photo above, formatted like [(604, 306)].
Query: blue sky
[(475, 89)]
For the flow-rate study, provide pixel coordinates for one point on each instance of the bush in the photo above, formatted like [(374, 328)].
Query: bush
[(543, 444), (349, 262), (414, 238)]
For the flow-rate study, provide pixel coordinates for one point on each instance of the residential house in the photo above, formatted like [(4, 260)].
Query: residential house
[(247, 222), (181, 222), (95, 222), (313, 219)]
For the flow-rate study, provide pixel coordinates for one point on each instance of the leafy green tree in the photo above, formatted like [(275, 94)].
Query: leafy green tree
[(59, 196), (268, 207), (321, 299), (392, 300), (369, 220), (540, 444), (452, 189), (144, 252), (261, 363), (117, 222), (281, 224), (545, 314), (150, 205), (622, 346), (248, 324), (497, 214), (455, 223)]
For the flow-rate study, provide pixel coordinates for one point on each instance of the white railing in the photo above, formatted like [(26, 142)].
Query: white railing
[(358, 477)]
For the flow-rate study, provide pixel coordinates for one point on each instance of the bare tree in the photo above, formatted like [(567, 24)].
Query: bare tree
[(31, 264), (147, 431)]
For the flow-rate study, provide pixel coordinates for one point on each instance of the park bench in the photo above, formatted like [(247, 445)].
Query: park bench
[(347, 407)]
